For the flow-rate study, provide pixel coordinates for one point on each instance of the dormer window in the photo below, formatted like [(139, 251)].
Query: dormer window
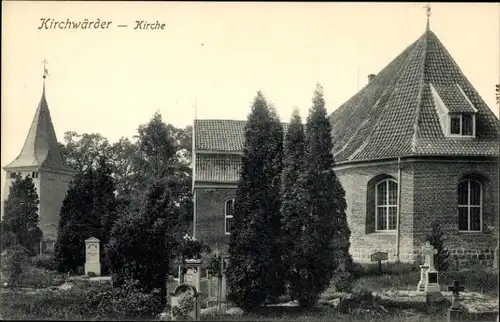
[(462, 124), (457, 114)]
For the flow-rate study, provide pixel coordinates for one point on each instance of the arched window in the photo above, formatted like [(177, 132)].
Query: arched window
[(386, 205), (228, 216), (469, 205)]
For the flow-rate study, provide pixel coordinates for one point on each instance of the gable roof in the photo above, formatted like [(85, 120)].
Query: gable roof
[(41, 148), (221, 135), (394, 115)]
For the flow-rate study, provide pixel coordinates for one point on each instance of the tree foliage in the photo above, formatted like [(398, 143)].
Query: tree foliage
[(325, 242), (88, 210), (20, 222), (135, 164), (141, 246), (294, 205), (255, 257), (83, 151)]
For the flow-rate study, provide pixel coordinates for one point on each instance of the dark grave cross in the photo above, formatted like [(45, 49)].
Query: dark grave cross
[(379, 257), (456, 288)]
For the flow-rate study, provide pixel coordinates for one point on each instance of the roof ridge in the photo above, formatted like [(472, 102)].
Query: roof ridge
[(420, 93), (377, 124)]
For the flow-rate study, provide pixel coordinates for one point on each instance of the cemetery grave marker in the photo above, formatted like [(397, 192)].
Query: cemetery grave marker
[(455, 311), (92, 256), (432, 288), (379, 257)]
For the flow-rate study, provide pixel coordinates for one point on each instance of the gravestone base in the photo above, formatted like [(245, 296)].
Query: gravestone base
[(94, 268), (455, 314), (423, 277), (433, 297)]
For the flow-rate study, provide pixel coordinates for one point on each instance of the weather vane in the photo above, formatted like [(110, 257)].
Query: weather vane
[(45, 71), (428, 12), (428, 7)]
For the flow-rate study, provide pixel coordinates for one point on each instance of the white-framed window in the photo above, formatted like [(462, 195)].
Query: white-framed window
[(463, 124), (228, 216), (470, 206), (386, 205)]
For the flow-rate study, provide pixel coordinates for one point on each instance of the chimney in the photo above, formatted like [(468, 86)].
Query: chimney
[(370, 78)]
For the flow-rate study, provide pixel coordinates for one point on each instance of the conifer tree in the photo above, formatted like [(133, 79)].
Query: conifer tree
[(20, 220), (141, 245), (104, 205), (77, 222), (88, 210), (326, 234), (294, 202), (255, 268)]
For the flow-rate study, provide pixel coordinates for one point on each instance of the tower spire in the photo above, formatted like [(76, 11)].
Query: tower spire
[(428, 13)]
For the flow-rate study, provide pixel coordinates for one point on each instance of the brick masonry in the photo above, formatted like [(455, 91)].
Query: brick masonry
[(210, 218), (428, 191)]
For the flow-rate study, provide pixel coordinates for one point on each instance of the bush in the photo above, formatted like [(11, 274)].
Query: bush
[(437, 239), (35, 277), (126, 302), (15, 263), (44, 261), (186, 305)]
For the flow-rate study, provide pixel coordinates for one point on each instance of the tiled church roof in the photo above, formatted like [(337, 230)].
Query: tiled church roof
[(41, 148), (392, 116)]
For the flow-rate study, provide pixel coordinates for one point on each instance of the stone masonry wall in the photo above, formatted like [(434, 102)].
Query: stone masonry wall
[(359, 184), (436, 196), (52, 191)]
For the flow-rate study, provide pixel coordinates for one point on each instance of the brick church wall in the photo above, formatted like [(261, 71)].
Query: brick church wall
[(359, 184), (428, 191), (436, 197), (210, 216)]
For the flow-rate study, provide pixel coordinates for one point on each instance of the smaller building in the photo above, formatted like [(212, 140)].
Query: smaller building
[(40, 159)]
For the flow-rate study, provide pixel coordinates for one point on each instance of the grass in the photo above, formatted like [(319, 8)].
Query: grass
[(73, 304), (400, 276)]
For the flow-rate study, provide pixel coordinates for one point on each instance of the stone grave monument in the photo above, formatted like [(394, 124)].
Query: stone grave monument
[(92, 256), (192, 273), (432, 288), (423, 270), (188, 290)]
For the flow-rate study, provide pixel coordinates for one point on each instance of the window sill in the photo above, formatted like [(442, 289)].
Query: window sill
[(382, 233), (471, 232)]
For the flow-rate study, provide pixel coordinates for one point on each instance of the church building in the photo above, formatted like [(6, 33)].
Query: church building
[(40, 159), (415, 145)]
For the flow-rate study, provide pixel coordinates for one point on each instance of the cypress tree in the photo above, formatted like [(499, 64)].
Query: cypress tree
[(326, 234), (20, 221), (294, 204), (255, 268)]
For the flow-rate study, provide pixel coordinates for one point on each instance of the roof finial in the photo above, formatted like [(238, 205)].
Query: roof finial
[(428, 12), (45, 71)]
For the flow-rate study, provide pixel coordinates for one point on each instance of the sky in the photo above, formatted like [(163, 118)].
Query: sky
[(216, 56)]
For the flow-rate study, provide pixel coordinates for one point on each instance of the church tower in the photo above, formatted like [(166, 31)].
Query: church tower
[(40, 159)]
